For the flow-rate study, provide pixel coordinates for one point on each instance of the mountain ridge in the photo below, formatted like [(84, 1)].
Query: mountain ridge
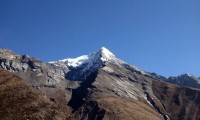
[(94, 93)]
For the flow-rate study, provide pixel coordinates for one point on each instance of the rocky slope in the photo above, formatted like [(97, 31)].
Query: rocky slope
[(98, 86), (19, 101), (45, 77), (179, 103), (110, 92)]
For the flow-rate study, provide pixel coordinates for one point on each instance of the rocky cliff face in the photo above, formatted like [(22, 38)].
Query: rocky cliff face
[(35, 68), (96, 86)]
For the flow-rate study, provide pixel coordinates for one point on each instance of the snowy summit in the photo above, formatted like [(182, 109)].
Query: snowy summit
[(84, 65), (103, 55), (106, 54)]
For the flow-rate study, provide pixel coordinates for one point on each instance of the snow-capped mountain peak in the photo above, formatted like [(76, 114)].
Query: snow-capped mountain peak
[(106, 54), (103, 55), (86, 64), (81, 67)]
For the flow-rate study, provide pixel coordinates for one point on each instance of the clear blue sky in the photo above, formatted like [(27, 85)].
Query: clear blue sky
[(161, 36)]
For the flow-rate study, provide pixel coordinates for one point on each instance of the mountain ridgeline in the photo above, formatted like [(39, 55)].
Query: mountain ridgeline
[(98, 86)]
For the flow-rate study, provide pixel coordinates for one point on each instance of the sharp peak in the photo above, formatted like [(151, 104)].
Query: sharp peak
[(105, 52), (104, 48), (102, 54)]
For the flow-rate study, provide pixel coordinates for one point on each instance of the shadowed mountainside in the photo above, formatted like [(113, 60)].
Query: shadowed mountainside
[(179, 103)]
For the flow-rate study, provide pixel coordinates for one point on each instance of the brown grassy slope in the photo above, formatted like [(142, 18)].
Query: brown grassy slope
[(19, 101), (115, 108), (180, 103), (122, 109)]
